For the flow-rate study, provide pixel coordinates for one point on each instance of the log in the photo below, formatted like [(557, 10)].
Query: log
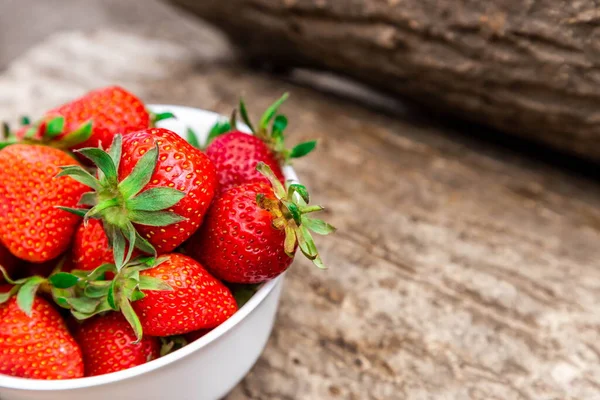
[(526, 67), (459, 270)]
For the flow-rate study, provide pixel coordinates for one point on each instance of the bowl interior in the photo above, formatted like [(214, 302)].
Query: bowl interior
[(200, 121)]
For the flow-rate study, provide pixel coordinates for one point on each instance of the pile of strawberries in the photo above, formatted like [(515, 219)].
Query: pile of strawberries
[(121, 241)]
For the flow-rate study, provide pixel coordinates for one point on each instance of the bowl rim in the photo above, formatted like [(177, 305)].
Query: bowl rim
[(10, 382)]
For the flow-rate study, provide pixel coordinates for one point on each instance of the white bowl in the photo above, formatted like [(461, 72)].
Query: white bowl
[(206, 369)]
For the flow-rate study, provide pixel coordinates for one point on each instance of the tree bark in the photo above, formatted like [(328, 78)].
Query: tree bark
[(528, 67)]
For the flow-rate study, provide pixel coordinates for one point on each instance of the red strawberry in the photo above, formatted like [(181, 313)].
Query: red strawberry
[(197, 301), (37, 346), (90, 246), (91, 120), (251, 232), (160, 196), (236, 154), (31, 226), (108, 345)]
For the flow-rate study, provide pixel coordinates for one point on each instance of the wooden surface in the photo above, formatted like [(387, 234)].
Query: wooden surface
[(529, 67), (460, 271)]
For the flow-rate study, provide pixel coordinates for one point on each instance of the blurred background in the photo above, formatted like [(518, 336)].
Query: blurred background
[(458, 154)]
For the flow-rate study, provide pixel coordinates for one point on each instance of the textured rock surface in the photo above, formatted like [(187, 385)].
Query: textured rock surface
[(460, 271)]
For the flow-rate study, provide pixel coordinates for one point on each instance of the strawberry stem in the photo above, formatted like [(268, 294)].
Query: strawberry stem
[(289, 214)]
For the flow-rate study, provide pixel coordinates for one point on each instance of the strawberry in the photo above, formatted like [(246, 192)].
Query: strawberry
[(91, 248), (91, 120), (37, 345), (31, 227), (197, 300), (235, 154), (107, 344), (154, 191), (252, 231)]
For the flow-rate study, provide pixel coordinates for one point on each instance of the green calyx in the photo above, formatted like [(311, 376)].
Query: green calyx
[(120, 204), (7, 136), (157, 117), (290, 213), (270, 130), (86, 293), (25, 289), (52, 131)]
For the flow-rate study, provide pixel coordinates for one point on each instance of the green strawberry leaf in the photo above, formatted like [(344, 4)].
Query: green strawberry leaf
[(4, 297), (98, 289), (130, 232), (100, 271), (5, 276), (303, 149), (83, 304), (5, 131), (118, 244), (7, 143), (267, 172), (79, 135), (306, 242), (319, 263), (80, 212), (172, 343), (271, 111), (300, 190), (279, 126), (244, 114), (155, 218), (110, 298), (137, 295), (115, 150), (100, 207), (162, 116), (243, 293), (290, 241), (155, 199), (317, 226), (141, 174), (102, 307), (233, 119), (151, 283), (80, 175), (131, 317), (144, 245), (88, 199), (63, 280), (102, 160), (192, 138), (294, 211), (24, 120), (219, 128), (54, 127), (62, 302), (26, 294)]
